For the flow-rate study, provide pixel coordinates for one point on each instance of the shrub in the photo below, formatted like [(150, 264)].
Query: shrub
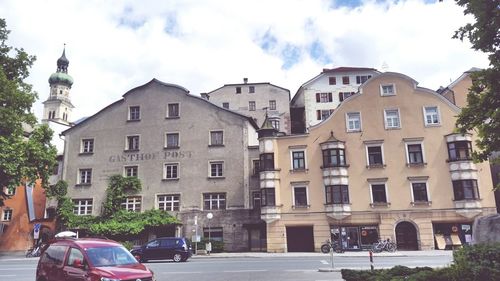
[(478, 262)]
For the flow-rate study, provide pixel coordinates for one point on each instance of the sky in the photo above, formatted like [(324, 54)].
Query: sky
[(114, 46)]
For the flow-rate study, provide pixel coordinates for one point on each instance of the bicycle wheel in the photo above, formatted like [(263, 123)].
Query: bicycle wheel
[(337, 248), (391, 247), (377, 247), (325, 248)]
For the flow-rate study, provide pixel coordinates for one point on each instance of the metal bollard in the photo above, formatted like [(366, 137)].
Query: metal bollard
[(371, 259)]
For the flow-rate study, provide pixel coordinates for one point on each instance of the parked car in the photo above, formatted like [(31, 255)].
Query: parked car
[(175, 248), (89, 259)]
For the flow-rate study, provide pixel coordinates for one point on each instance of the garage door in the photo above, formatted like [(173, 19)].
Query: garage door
[(300, 238)]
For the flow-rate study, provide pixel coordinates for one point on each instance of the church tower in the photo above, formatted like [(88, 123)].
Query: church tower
[(58, 107)]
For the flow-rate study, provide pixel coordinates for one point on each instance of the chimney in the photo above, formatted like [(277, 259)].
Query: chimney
[(245, 80)]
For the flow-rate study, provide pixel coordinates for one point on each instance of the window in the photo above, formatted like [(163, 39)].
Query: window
[(419, 192), (87, 146), (251, 105), (132, 143), (74, 254), (267, 197), (132, 204), (216, 169), (353, 121), (431, 116), (55, 171), (82, 207), (171, 171), (415, 155), (216, 138), (362, 78), (267, 162), (214, 201), (334, 157), (375, 155), (323, 114), (54, 255), (7, 215), (238, 90), (272, 105), (225, 105), (134, 113), (387, 90), (173, 110), (337, 194), (256, 167), (298, 160), (332, 80), (324, 97), (85, 176), (378, 193), (460, 150), (169, 202), (251, 89), (392, 119), (214, 233), (300, 196), (345, 95), (345, 80), (465, 190), (172, 140), (256, 199), (131, 171), (10, 190), (275, 123)]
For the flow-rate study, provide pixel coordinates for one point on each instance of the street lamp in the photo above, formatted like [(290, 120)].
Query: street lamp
[(209, 244)]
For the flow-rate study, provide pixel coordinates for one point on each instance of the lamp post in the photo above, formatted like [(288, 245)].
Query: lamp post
[(209, 244)]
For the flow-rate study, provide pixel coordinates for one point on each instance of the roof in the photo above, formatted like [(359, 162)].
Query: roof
[(156, 81), (87, 242), (249, 84)]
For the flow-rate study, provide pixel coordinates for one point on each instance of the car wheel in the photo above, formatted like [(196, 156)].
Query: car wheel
[(177, 257)]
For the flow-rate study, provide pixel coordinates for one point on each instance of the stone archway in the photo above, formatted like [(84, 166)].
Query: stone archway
[(406, 236)]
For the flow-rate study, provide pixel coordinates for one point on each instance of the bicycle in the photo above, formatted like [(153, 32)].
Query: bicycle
[(328, 245), (382, 245), (35, 251)]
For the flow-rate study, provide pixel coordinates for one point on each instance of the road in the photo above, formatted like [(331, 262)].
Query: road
[(245, 268)]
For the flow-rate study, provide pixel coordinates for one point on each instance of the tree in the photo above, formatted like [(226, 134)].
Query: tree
[(26, 154), (482, 112)]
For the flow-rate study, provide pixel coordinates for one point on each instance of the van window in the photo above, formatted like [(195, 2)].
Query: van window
[(153, 244), (167, 243), (74, 254), (54, 254)]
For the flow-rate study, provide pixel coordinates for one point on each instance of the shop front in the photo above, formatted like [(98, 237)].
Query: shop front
[(452, 235), (355, 237)]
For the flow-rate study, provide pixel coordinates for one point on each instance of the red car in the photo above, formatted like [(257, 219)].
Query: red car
[(89, 259)]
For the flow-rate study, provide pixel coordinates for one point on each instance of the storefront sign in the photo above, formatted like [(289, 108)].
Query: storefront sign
[(138, 157)]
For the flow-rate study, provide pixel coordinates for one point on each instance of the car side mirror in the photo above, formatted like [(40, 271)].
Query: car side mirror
[(78, 264)]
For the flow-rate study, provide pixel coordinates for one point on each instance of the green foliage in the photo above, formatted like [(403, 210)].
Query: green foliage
[(483, 110), (59, 190), (128, 245), (217, 246), (25, 155), (478, 262), (118, 189)]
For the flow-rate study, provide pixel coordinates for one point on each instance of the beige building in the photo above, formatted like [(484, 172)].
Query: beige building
[(255, 100), (387, 163)]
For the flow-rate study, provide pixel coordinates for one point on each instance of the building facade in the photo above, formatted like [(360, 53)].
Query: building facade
[(255, 100), (387, 163), (191, 156), (316, 99)]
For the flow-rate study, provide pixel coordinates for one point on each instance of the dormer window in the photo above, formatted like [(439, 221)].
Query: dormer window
[(387, 90)]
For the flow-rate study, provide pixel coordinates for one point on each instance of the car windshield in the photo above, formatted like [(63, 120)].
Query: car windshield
[(110, 256)]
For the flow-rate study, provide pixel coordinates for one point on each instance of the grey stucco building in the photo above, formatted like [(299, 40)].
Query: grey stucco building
[(191, 156)]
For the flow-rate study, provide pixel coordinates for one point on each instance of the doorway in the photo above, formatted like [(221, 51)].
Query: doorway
[(406, 236), (300, 238)]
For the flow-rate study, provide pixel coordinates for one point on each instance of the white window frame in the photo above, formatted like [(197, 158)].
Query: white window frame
[(7, 214), (252, 105), (292, 160), (85, 179), (169, 199), (272, 105), (426, 182), (130, 113), (217, 200), (170, 165), (437, 115), (421, 142), (178, 139), (378, 144), (83, 203), (307, 196), (255, 197), (388, 86), (87, 145), (251, 89), (348, 119), (178, 110), (275, 122), (386, 192), (10, 191), (128, 145), (132, 204), (210, 137), (132, 168), (221, 172), (386, 119)]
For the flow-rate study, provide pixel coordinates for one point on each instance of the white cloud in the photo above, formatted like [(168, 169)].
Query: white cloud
[(114, 46)]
